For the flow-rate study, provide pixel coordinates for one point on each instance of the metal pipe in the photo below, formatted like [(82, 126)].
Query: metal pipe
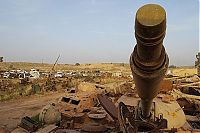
[(149, 60)]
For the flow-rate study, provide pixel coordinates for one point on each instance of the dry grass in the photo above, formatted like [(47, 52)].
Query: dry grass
[(181, 72), (4, 66)]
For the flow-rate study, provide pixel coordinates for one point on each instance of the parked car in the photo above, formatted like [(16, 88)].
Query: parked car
[(6, 75), (34, 74), (13, 74), (23, 75), (59, 75)]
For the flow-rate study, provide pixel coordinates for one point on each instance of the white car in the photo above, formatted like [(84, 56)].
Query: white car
[(59, 75), (23, 75), (34, 74), (6, 75)]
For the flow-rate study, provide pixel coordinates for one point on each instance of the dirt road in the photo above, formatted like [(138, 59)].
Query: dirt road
[(12, 111)]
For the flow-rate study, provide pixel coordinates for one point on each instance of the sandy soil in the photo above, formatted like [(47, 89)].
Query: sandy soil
[(12, 111), (184, 71)]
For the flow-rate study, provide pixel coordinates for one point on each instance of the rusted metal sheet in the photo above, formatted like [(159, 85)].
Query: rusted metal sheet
[(94, 128), (149, 60), (108, 105), (166, 86), (188, 84), (47, 129), (67, 131), (133, 125), (77, 102), (29, 124), (97, 116), (178, 94)]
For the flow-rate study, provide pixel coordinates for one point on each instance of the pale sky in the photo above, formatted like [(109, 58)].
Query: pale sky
[(91, 31)]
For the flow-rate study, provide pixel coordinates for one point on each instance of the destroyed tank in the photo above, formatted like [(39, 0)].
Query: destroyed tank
[(149, 61)]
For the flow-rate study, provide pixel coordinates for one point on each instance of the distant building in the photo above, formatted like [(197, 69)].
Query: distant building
[(1, 59)]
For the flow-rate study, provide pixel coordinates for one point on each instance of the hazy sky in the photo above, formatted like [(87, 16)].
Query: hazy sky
[(91, 31)]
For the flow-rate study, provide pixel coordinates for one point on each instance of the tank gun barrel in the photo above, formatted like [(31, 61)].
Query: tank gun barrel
[(149, 60)]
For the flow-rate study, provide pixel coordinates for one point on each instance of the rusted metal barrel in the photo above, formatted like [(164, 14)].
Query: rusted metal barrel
[(149, 60)]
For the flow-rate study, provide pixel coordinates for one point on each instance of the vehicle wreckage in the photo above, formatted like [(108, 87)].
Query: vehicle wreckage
[(96, 111)]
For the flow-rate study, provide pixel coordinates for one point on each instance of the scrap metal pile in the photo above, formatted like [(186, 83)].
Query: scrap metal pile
[(156, 107), (91, 108)]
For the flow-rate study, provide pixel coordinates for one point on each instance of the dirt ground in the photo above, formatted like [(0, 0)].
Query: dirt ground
[(12, 111)]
